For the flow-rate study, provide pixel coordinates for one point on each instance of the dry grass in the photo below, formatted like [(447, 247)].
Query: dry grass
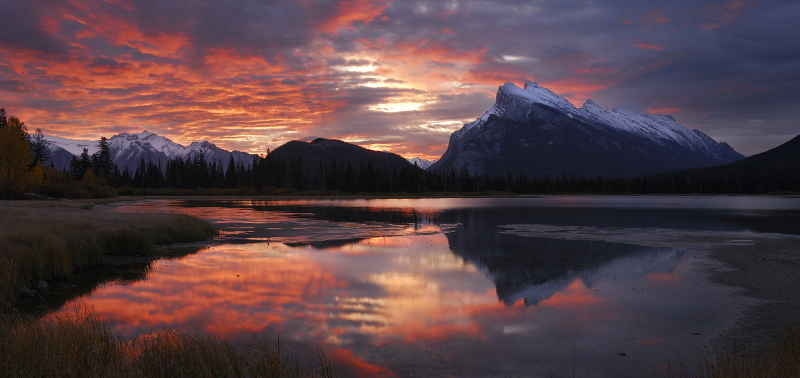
[(81, 346), (781, 359), (44, 240)]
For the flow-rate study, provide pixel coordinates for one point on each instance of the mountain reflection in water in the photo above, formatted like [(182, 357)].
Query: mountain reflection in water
[(408, 287)]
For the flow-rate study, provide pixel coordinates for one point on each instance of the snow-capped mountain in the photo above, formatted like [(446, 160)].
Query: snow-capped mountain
[(535, 131), (422, 163), (127, 150)]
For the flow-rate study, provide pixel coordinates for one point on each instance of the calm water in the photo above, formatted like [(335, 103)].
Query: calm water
[(453, 287)]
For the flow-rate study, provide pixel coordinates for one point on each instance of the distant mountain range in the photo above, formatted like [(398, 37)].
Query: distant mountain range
[(535, 131), (127, 150), (530, 130)]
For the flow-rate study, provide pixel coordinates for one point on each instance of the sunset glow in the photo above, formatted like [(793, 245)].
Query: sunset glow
[(399, 76)]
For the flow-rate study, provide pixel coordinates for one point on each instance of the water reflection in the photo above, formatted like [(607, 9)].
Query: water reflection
[(408, 288)]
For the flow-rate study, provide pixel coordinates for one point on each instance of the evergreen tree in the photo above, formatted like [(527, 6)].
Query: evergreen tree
[(86, 161), (40, 148), (75, 169), (105, 165), (230, 174)]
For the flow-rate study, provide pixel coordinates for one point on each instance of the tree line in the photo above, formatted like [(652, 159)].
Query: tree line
[(24, 169), (274, 171)]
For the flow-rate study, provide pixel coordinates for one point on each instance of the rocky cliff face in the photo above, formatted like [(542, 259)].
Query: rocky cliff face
[(534, 131)]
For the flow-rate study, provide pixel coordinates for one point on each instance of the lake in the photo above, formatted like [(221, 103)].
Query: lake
[(591, 285)]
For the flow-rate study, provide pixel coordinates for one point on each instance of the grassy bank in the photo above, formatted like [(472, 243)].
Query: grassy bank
[(81, 346), (45, 240), (42, 240)]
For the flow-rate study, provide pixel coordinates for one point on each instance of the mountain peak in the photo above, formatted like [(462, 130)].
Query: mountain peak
[(592, 106), (422, 163), (535, 93), (532, 129)]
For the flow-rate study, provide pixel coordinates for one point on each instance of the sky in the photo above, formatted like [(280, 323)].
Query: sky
[(399, 76)]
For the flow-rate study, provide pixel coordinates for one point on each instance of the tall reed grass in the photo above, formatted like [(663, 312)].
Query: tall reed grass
[(780, 359), (82, 346), (46, 240)]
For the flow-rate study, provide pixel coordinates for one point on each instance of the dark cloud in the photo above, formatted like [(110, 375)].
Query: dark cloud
[(16, 86), (20, 26)]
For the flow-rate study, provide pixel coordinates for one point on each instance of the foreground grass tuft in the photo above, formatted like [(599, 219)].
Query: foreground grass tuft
[(46, 240), (81, 346), (780, 359)]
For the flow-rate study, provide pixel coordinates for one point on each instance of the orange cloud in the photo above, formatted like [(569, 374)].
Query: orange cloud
[(576, 90), (119, 31), (648, 46), (348, 12), (421, 50), (654, 18), (596, 71), (720, 15), (667, 110)]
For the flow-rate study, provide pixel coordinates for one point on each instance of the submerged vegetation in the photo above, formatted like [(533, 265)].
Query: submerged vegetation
[(82, 346), (44, 240)]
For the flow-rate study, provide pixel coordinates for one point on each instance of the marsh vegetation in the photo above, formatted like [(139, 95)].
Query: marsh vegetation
[(45, 240), (80, 345)]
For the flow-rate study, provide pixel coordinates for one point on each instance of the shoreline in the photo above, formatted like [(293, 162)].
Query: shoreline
[(768, 271)]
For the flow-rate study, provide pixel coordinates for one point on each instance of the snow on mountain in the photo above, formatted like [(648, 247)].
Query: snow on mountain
[(662, 128), (73, 146), (146, 140), (534, 130), (128, 149), (422, 163), (514, 102)]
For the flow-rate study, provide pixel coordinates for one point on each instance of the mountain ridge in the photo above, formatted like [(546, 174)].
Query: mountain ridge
[(128, 149), (535, 131)]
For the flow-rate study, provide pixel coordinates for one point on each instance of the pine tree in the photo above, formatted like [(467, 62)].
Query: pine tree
[(86, 162), (230, 174), (75, 169), (104, 163), (40, 148)]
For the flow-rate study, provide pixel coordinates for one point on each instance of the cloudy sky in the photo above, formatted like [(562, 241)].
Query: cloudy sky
[(391, 75)]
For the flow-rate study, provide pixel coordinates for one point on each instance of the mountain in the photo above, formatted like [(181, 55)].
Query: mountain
[(785, 155), (127, 150), (774, 171), (326, 150), (422, 163), (535, 131)]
